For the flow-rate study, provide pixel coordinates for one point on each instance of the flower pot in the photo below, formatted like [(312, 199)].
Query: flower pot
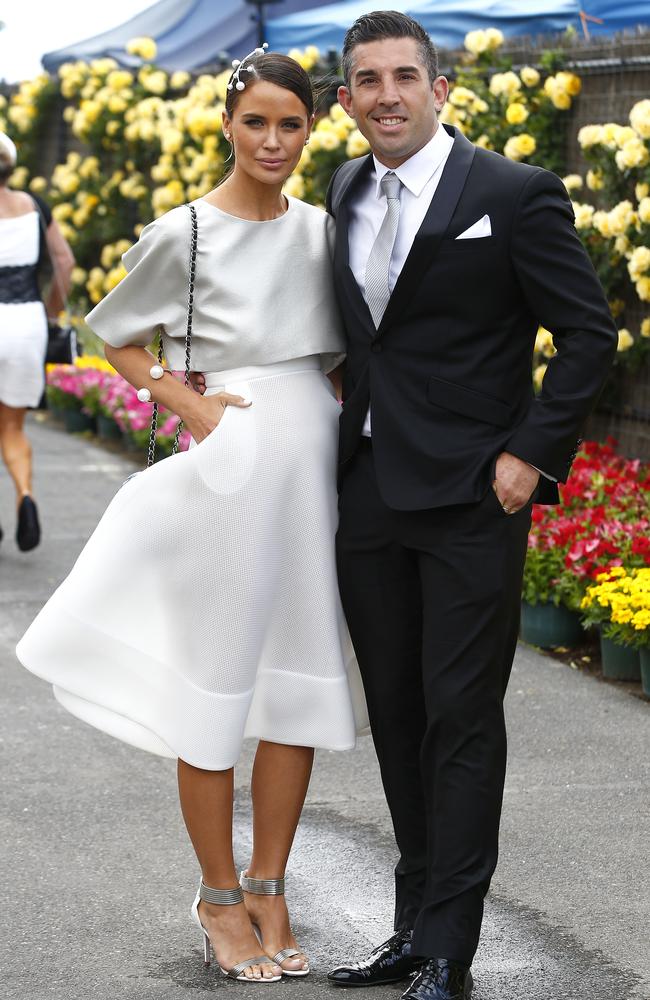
[(56, 412), (76, 422), (644, 656), (620, 663), (550, 625), (107, 429)]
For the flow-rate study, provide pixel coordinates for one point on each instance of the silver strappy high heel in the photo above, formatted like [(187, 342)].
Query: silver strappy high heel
[(272, 887), (226, 897)]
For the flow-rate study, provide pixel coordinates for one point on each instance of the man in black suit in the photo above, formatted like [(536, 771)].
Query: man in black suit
[(448, 257)]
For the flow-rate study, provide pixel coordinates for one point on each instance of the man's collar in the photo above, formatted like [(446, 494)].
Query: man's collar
[(419, 168)]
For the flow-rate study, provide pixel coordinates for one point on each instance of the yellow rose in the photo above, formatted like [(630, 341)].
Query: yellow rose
[(507, 84), (179, 79), (595, 180), (572, 182), (337, 113), (484, 141), (559, 97), (641, 191), (544, 343), (621, 217), (476, 42), (529, 76), (172, 140), (103, 66), (625, 340), (633, 153), (329, 141), (146, 48), (494, 38), (62, 211), (114, 277), (356, 145), (294, 186), (526, 144), (643, 289), (116, 104), (461, 96), (640, 118), (89, 168), (119, 79), (638, 262), (584, 215), (602, 223), (621, 245), (516, 113), (645, 328), (538, 376), (155, 83), (107, 256), (590, 135), (569, 82), (37, 185), (644, 209), (79, 276)]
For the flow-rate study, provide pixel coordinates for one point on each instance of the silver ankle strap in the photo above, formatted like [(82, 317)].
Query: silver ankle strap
[(221, 897), (262, 886)]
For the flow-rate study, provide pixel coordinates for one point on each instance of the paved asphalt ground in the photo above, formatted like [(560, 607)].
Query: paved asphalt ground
[(98, 876)]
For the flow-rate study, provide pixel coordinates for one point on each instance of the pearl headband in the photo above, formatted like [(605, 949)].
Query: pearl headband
[(236, 82)]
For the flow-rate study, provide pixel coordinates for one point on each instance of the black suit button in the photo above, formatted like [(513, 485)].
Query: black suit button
[(375, 348)]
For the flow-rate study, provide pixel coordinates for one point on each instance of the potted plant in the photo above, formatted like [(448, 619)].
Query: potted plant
[(619, 602), (546, 620)]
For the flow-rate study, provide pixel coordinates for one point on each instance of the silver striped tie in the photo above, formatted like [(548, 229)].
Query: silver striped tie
[(378, 266)]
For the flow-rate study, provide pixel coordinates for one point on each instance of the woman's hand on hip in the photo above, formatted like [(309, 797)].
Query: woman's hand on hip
[(208, 411)]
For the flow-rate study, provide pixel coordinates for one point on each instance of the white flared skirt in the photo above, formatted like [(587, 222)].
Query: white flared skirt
[(204, 608)]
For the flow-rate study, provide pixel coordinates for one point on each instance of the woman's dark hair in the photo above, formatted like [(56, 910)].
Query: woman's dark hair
[(387, 24), (281, 70)]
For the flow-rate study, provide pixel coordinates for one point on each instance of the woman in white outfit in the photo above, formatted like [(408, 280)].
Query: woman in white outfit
[(205, 607), (25, 225)]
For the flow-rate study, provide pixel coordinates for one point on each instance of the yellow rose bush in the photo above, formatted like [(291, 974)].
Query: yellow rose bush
[(517, 114), (615, 223)]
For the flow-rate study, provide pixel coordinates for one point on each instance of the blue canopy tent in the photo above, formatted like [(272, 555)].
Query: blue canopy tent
[(448, 21), (188, 33)]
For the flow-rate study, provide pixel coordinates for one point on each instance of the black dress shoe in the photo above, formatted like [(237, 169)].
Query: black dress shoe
[(28, 531), (441, 979), (388, 963)]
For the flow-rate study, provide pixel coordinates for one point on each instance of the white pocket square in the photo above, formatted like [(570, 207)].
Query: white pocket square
[(480, 228)]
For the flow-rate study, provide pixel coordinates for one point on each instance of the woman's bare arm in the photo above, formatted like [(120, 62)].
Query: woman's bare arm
[(200, 414), (63, 261)]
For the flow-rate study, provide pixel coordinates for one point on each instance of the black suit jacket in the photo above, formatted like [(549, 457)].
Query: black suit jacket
[(448, 372)]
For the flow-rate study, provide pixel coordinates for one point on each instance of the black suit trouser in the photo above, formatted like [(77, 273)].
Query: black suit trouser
[(432, 600)]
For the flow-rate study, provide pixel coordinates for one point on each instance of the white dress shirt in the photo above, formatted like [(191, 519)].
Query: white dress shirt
[(419, 175)]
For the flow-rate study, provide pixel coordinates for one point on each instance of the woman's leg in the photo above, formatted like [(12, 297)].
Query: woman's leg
[(279, 785), (16, 449), (207, 804)]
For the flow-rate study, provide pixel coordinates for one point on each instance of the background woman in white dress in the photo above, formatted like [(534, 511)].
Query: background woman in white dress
[(205, 606), (23, 329)]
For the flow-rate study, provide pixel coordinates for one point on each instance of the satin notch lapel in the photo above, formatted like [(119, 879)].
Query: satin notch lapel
[(433, 228)]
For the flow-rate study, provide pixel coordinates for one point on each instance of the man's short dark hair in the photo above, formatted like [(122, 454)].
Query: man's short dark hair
[(388, 24)]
